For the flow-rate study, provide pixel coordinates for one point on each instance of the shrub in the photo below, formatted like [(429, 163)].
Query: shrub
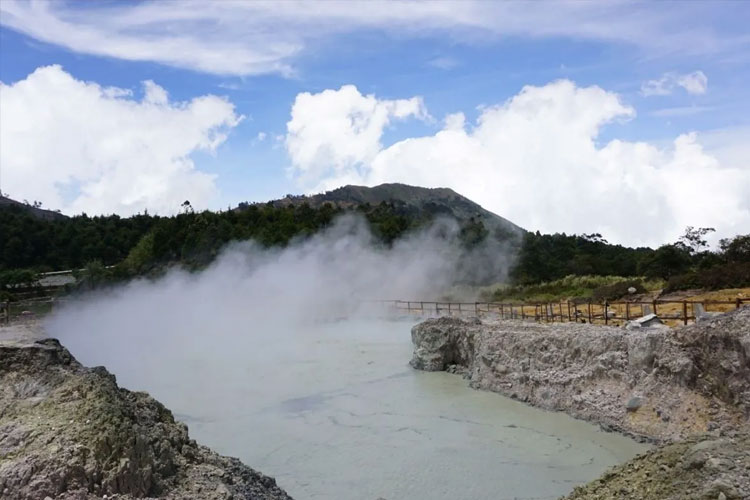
[(616, 291), (18, 278), (729, 275), (576, 288)]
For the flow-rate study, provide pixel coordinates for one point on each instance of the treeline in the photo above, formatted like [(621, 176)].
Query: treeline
[(144, 243), (193, 239), (686, 263), (549, 257)]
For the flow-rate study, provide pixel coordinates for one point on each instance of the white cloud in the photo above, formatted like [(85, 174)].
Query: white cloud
[(77, 146), (693, 83), (445, 63), (536, 160), (242, 38), (681, 111), (337, 130)]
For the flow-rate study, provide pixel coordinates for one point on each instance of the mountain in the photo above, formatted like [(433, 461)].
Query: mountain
[(41, 213), (412, 201)]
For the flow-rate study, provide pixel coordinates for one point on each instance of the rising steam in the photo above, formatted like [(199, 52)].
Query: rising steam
[(255, 300)]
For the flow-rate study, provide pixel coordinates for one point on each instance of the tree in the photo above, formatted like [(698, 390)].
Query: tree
[(93, 275), (736, 249), (667, 261), (694, 239)]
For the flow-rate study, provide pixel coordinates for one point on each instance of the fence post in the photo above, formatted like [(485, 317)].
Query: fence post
[(589, 310), (627, 311), (569, 318), (684, 312), (654, 304), (606, 312), (502, 312), (739, 302), (523, 312)]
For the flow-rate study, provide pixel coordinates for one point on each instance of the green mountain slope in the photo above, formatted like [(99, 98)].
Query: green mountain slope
[(410, 201)]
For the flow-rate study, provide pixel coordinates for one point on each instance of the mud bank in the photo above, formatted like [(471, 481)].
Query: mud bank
[(657, 384), (69, 432)]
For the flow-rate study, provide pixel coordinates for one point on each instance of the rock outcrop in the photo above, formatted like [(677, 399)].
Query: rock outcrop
[(69, 432), (652, 383), (688, 388)]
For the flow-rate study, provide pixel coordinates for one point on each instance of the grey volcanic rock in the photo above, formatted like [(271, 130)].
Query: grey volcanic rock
[(700, 467), (69, 432), (687, 381), (443, 342)]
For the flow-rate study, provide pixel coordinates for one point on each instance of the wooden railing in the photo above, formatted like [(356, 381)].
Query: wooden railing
[(27, 309), (674, 311)]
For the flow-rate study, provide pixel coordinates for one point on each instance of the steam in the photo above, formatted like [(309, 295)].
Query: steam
[(255, 300)]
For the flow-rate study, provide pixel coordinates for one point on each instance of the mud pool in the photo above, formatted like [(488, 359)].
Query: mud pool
[(337, 413)]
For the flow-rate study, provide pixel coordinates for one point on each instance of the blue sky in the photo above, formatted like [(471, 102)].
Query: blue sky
[(467, 58)]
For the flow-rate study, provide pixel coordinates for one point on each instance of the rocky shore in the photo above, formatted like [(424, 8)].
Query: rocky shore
[(686, 389), (69, 432)]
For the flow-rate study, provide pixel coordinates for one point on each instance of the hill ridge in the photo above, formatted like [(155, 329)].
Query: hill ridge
[(409, 199)]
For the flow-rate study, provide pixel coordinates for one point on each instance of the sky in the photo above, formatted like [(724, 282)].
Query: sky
[(624, 118)]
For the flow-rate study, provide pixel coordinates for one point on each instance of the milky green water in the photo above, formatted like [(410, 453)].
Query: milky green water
[(337, 413)]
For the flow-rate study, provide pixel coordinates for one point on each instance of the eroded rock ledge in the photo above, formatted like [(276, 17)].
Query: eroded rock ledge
[(659, 385), (687, 388), (69, 432)]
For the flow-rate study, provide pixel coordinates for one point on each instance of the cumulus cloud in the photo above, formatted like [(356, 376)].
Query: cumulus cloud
[(78, 146), (336, 130), (243, 38), (537, 160), (694, 83)]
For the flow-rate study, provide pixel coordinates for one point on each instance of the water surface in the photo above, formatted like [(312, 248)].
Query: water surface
[(335, 412)]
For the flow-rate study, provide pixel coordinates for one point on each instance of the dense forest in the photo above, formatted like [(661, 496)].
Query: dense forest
[(193, 239), (686, 263), (144, 243)]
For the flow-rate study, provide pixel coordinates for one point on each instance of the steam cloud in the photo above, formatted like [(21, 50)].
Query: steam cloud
[(256, 301)]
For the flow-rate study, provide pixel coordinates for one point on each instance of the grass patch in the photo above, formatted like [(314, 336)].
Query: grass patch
[(571, 287)]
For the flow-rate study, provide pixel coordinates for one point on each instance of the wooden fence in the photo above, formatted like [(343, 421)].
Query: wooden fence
[(27, 309), (669, 311), (615, 313)]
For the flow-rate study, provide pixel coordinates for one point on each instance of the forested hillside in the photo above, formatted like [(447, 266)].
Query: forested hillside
[(145, 243)]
